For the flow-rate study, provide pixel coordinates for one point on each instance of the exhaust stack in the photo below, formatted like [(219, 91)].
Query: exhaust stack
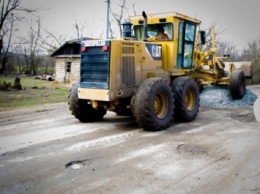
[(145, 26)]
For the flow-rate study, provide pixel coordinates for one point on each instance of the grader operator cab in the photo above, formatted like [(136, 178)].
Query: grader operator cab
[(152, 75)]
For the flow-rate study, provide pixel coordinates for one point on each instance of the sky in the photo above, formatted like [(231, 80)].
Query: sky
[(238, 20)]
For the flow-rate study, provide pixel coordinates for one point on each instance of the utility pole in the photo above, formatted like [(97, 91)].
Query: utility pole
[(108, 6)]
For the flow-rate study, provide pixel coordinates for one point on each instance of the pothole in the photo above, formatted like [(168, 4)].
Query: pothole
[(191, 149), (244, 116), (78, 164)]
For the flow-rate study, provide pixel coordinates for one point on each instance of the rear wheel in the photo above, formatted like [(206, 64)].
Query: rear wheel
[(237, 84), (186, 97), (153, 104), (81, 109)]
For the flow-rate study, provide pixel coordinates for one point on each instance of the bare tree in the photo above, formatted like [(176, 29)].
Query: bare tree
[(119, 17), (50, 41), (252, 53), (227, 48), (79, 28), (218, 33), (37, 46), (133, 5), (32, 47), (5, 51), (8, 7), (17, 60)]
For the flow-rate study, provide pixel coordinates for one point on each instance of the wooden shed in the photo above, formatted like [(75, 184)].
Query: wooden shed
[(67, 61)]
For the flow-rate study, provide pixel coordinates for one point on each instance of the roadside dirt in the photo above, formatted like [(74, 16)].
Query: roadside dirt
[(45, 149)]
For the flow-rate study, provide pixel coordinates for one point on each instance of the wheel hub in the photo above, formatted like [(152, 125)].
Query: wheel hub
[(160, 105), (190, 100)]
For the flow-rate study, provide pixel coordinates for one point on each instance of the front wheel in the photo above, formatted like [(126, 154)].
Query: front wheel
[(153, 104), (186, 97), (237, 84)]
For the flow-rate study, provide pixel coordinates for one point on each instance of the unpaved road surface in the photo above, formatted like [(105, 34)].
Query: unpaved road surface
[(45, 150)]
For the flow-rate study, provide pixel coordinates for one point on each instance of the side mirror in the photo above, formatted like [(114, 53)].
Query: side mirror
[(202, 37)]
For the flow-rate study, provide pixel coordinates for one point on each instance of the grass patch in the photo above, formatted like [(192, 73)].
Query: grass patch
[(34, 92)]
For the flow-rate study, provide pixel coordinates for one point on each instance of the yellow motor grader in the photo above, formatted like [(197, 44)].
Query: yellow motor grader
[(152, 72)]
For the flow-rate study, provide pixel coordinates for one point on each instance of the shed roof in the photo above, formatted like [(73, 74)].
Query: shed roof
[(70, 47)]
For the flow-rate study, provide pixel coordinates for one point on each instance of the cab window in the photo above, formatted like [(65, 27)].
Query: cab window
[(154, 30), (186, 44)]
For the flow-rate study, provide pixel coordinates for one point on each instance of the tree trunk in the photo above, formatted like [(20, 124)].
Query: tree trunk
[(17, 84), (2, 70)]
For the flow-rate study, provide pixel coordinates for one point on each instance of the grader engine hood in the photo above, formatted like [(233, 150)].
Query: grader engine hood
[(94, 65)]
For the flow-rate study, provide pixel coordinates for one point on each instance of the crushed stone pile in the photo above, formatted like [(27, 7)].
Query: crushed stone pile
[(219, 96)]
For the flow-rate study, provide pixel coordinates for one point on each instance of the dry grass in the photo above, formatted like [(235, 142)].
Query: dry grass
[(34, 92)]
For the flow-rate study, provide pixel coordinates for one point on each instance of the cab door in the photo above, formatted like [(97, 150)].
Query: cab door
[(186, 44)]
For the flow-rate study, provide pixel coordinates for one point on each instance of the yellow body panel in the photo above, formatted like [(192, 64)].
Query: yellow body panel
[(95, 94)]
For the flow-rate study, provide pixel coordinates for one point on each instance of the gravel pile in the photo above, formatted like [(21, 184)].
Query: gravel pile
[(216, 96)]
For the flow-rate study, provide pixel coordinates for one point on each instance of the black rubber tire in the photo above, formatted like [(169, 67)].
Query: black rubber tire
[(153, 104), (237, 84), (187, 99), (81, 109)]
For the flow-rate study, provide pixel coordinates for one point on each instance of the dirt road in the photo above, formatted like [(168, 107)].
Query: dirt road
[(45, 150)]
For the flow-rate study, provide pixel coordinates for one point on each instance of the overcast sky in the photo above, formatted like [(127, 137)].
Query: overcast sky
[(240, 19)]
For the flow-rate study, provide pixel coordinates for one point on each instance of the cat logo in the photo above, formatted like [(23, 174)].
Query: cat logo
[(155, 51)]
